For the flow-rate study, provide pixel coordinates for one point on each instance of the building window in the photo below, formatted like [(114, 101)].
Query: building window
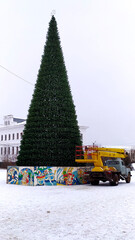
[(8, 150), (5, 137), (17, 135), (13, 136), (1, 137), (17, 150), (1, 151), (21, 135), (5, 151), (13, 150), (9, 137)]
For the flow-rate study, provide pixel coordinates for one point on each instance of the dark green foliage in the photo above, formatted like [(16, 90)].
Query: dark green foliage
[(51, 131)]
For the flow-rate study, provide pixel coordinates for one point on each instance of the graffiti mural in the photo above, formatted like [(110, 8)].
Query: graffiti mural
[(26, 176), (39, 176), (12, 175), (67, 175), (45, 176), (81, 172), (71, 175), (60, 177)]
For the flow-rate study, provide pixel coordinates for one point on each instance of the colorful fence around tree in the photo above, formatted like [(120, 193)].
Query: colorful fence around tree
[(38, 176)]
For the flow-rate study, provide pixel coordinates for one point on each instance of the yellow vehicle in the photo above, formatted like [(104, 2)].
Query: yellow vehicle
[(109, 164)]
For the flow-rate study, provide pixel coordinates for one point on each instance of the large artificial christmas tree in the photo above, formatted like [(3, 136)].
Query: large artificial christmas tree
[(51, 131)]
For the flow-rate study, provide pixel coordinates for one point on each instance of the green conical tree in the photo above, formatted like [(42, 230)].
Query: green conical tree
[(51, 131)]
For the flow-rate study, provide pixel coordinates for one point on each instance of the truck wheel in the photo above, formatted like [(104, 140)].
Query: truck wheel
[(115, 181), (128, 179), (94, 182)]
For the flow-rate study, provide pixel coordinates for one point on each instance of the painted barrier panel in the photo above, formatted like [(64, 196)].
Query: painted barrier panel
[(45, 175), (66, 175), (81, 172), (71, 175), (26, 176), (12, 175)]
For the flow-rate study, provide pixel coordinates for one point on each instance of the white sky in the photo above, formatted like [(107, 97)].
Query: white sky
[(98, 42)]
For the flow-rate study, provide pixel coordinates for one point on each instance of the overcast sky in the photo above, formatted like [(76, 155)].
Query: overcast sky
[(98, 42)]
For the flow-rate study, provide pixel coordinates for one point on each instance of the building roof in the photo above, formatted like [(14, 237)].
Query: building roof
[(18, 120)]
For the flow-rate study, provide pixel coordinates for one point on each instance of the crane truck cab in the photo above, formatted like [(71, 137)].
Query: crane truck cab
[(116, 167), (124, 172)]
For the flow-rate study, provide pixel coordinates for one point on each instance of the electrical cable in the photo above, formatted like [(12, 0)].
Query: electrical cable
[(17, 75), (14, 74)]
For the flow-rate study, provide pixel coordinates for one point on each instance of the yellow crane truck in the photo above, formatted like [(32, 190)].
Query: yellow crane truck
[(109, 164)]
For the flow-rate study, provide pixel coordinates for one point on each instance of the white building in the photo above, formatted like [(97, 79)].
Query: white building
[(10, 137)]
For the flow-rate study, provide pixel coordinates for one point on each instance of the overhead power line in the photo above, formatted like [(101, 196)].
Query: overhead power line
[(14, 74)]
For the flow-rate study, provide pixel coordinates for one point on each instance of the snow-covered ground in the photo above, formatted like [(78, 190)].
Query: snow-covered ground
[(67, 212)]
